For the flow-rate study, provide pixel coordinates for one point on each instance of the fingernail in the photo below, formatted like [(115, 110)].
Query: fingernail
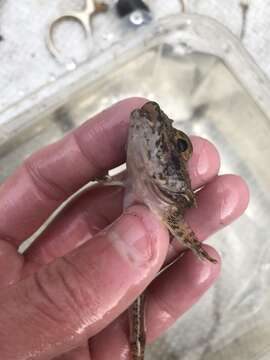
[(206, 159), (235, 197), (203, 162), (135, 234)]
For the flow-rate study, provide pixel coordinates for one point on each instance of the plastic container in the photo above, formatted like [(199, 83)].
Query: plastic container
[(205, 80)]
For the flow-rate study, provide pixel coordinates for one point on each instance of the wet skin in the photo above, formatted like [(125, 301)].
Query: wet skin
[(63, 298)]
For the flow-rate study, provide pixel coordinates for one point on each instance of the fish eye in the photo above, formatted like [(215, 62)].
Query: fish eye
[(182, 145)]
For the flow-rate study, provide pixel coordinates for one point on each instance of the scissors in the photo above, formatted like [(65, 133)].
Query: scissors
[(183, 5), (83, 17)]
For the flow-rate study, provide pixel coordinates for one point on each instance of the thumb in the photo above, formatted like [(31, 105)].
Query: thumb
[(76, 296)]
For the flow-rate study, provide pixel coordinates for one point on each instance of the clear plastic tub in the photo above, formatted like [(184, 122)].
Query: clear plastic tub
[(206, 81)]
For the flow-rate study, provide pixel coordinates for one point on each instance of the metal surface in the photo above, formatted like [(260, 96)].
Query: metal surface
[(202, 93), (83, 17)]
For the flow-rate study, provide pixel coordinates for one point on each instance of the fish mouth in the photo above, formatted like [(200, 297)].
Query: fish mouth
[(163, 194), (173, 197)]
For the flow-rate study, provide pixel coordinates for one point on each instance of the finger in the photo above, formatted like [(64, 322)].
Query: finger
[(77, 296), (167, 299), (11, 264), (52, 174), (91, 213), (80, 353), (178, 289), (96, 209), (205, 162), (219, 203)]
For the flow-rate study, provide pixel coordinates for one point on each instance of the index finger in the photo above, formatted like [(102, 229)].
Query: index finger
[(51, 175)]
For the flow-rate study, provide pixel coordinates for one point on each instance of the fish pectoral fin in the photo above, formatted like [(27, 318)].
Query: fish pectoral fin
[(108, 180), (185, 235), (196, 246)]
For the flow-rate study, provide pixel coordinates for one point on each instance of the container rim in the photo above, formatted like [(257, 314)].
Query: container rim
[(207, 34)]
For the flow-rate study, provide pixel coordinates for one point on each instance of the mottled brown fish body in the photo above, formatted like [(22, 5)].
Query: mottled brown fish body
[(157, 176)]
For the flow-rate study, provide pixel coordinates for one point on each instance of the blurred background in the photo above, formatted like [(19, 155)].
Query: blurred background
[(207, 63)]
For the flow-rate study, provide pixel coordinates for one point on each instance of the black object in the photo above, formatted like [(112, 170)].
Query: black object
[(126, 7), (182, 145)]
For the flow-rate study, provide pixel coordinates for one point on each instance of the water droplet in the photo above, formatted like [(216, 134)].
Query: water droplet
[(71, 66), (52, 78), (108, 36), (159, 29)]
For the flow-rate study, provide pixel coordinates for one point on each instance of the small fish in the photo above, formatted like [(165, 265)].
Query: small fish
[(157, 176)]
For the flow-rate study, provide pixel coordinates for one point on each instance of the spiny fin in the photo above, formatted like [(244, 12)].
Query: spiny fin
[(108, 180), (183, 233)]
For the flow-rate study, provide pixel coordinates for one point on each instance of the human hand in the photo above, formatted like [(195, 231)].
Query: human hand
[(63, 298)]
